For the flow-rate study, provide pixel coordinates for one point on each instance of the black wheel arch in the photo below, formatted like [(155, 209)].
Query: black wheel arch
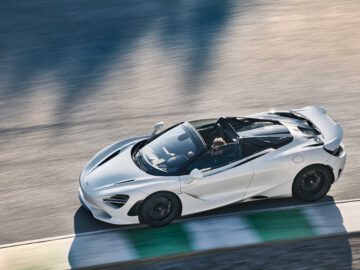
[(331, 170)]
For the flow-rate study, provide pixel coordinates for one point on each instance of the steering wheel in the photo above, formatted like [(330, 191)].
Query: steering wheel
[(167, 152)]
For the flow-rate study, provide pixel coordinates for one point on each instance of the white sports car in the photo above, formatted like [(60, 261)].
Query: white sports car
[(204, 164)]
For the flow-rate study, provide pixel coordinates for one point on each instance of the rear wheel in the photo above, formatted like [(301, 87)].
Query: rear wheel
[(312, 183), (159, 209)]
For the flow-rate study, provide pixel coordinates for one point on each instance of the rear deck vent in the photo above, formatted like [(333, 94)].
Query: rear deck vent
[(288, 115), (309, 131)]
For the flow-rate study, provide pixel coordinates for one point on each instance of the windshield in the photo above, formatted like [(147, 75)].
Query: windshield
[(170, 151)]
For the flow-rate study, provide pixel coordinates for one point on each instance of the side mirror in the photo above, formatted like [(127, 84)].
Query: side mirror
[(158, 126), (195, 174)]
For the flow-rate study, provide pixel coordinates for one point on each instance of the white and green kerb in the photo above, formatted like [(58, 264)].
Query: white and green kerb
[(222, 232), (181, 238)]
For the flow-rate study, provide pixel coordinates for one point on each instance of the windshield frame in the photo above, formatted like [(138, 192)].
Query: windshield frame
[(148, 168)]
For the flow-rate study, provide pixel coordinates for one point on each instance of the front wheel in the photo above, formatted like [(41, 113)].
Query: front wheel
[(159, 209), (312, 183)]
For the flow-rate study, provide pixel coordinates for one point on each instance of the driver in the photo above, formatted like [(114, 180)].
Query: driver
[(217, 146)]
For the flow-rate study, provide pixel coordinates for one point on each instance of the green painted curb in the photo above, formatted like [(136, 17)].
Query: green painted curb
[(279, 225), (155, 242)]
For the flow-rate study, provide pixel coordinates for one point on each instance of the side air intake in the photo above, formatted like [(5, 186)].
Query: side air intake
[(118, 200)]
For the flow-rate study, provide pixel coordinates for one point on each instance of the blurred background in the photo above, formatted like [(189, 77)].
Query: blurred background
[(77, 75)]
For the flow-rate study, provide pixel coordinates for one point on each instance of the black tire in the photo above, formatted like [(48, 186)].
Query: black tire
[(312, 183), (159, 209)]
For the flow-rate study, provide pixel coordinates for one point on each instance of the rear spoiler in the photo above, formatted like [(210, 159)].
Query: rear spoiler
[(332, 132)]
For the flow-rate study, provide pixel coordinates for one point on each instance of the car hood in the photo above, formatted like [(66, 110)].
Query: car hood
[(115, 168)]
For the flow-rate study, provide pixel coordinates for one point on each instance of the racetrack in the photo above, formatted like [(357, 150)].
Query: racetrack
[(342, 253), (76, 76)]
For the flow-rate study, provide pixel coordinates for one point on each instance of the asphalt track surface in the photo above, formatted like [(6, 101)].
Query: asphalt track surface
[(77, 75)]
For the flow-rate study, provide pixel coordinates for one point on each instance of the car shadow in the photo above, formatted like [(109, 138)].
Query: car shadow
[(88, 248), (250, 205)]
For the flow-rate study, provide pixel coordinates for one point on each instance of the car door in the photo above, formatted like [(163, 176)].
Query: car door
[(226, 176)]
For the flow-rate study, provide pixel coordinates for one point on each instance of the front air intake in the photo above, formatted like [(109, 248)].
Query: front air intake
[(109, 157), (117, 201)]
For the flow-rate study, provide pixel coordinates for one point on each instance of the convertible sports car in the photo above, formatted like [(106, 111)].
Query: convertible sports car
[(204, 164)]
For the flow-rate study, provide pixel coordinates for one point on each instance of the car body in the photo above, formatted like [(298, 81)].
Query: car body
[(262, 157)]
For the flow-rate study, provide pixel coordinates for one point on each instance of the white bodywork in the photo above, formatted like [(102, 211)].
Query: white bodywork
[(268, 173)]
